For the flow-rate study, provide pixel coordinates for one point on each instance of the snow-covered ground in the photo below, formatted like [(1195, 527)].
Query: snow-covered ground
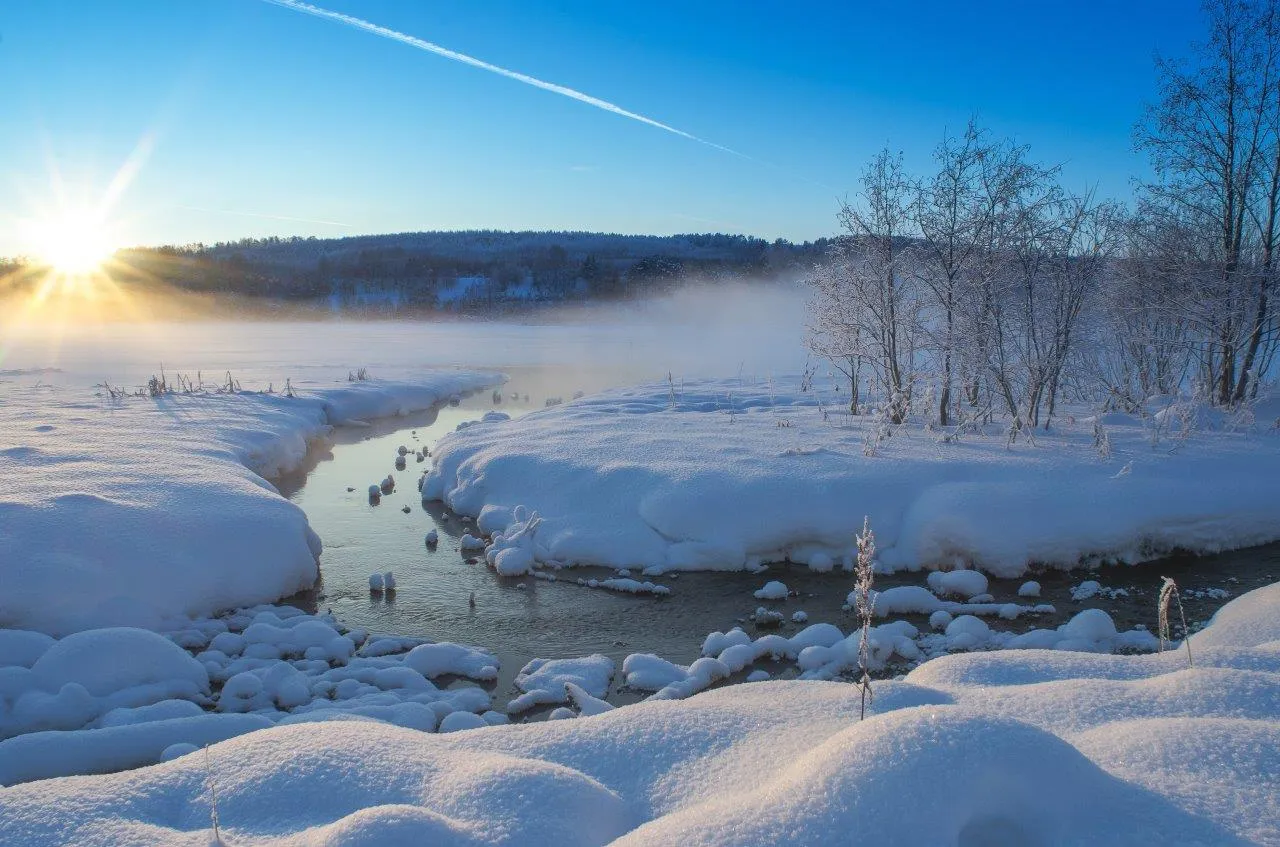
[(725, 474), (1026, 747), (126, 512), (155, 513)]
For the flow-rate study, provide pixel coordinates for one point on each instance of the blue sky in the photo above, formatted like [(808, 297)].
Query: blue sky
[(252, 112)]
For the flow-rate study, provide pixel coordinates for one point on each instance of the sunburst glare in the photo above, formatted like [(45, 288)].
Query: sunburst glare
[(73, 242)]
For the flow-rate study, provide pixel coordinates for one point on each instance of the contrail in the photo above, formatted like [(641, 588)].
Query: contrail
[(358, 23)]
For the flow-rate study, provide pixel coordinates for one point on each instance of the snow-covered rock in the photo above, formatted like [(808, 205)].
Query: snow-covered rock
[(958, 583), (432, 660), (773, 590), (544, 681)]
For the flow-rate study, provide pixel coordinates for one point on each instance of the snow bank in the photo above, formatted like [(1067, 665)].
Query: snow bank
[(1026, 747), (126, 513), (734, 472)]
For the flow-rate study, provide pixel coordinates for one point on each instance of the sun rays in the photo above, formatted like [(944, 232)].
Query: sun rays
[(71, 234), (73, 242)]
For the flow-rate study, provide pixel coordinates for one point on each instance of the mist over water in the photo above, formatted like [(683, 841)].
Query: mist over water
[(710, 329)]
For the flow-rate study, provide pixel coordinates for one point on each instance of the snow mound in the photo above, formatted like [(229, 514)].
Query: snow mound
[(998, 774), (106, 661)]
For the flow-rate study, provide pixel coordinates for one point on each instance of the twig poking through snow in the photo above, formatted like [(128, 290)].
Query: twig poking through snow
[(213, 798), (1169, 593), (866, 608)]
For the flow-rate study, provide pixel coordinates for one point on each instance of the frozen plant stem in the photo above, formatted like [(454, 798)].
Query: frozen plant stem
[(866, 607), (1168, 594), (213, 798)]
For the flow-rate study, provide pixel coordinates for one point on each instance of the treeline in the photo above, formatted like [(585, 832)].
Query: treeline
[(985, 288), (467, 271)]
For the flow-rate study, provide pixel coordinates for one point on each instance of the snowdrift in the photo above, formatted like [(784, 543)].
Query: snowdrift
[(126, 513), (724, 474), (1023, 748)]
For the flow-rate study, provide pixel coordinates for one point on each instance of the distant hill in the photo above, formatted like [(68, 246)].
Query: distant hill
[(468, 271)]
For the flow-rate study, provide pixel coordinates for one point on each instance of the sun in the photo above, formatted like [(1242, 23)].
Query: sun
[(73, 242)]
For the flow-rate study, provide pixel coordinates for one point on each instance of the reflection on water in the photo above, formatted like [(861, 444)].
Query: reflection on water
[(523, 618)]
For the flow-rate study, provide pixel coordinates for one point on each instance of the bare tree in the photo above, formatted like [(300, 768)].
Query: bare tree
[(1213, 144), (865, 308), (945, 212)]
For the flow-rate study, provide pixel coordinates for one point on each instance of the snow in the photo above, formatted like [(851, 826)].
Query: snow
[(276, 663), (629, 586), (958, 583), (710, 480), (544, 681), (320, 734), (1027, 747), (87, 675), (587, 705), (1030, 588), (906, 600), (22, 648), (458, 721), (1086, 590), (45, 755), (101, 527), (432, 660), (773, 590), (1090, 588), (967, 632), (918, 600)]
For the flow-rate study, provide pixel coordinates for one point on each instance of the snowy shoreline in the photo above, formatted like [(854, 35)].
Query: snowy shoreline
[(728, 474), (137, 511)]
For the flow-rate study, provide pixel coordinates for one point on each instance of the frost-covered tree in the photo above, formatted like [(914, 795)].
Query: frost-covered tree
[(865, 307), (1214, 142), (946, 211)]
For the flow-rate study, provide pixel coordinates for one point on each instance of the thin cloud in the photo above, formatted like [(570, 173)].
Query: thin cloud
[(385, 32)]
